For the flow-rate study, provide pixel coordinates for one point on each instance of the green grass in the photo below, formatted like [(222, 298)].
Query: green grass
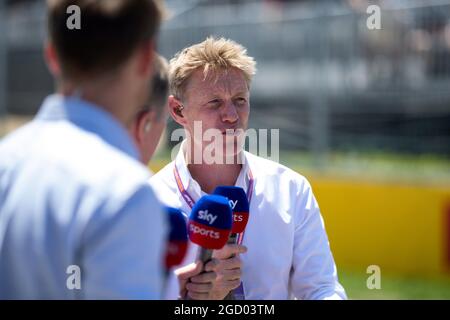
[(373, 166), (368, 165), (394, 287)]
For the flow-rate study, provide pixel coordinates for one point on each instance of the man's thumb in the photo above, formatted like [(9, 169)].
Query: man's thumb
[(190, 270)]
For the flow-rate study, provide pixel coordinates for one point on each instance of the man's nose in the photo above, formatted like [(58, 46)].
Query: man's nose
[(229, 113)]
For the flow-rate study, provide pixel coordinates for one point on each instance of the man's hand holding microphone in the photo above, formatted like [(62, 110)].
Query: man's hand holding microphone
[(219, 276)]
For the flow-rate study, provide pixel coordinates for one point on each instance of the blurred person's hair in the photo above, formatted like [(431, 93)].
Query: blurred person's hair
[(110, 31), (213, 55), (159, 87)]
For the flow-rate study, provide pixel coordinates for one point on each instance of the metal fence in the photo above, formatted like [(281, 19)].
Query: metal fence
[(324, 79)]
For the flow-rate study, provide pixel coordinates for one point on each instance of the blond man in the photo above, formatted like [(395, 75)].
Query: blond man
[(284, 252)]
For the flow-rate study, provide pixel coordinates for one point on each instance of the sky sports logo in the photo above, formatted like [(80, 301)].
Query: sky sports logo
[(232, 204), (238, 217), (208, 217), (194, 229)]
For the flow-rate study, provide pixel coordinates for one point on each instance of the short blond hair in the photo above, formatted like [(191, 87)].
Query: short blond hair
[(212, 55)]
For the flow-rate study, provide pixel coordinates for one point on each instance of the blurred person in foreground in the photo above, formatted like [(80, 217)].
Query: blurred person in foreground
[(77, 218), (150, 121), (284, 252)]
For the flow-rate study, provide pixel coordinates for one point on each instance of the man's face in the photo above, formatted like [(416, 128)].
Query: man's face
[(221, 102)]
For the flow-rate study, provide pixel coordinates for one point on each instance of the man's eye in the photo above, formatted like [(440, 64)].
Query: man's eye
[(241, 100), (214, 103)]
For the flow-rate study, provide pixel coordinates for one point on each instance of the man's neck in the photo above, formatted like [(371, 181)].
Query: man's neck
[(106, 95), (209, 176)]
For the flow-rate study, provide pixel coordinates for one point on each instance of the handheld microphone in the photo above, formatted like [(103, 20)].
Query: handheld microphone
[(241, 210), (240, 207), (210, 224), (178, 238)]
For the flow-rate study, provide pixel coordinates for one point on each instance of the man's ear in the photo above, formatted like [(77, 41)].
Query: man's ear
[(146, 55), (176, 110), (51, 58), (142, 126)]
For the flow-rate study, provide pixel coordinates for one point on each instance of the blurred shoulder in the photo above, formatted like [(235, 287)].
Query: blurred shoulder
[(164, 185), (76, 157)]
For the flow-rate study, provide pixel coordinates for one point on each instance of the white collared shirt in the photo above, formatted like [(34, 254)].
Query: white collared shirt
[(288, 250)]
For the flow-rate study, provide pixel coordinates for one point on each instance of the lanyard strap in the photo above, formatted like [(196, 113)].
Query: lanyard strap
[(186, 196), (191, 202)]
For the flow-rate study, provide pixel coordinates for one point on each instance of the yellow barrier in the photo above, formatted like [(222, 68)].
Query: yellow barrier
[(401, 228)]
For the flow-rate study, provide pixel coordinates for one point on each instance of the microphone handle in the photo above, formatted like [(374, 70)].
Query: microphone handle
[(205, 255), (231, 240)]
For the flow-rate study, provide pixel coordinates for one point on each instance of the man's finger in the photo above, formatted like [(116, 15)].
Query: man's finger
[(198, 296), (190, 270), (229, 250), (199, 287), (229, 285), (204, 277), (218, 265), (233, 274), (233, 284)]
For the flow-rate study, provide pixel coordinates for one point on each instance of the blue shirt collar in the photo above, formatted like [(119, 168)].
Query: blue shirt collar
[(89, 117)]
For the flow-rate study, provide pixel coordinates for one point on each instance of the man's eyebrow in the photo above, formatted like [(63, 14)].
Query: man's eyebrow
[(211, 96), (217, 95), (241, 93)]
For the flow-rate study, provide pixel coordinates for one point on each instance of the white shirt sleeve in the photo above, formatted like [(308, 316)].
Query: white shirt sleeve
[(313, 274)]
